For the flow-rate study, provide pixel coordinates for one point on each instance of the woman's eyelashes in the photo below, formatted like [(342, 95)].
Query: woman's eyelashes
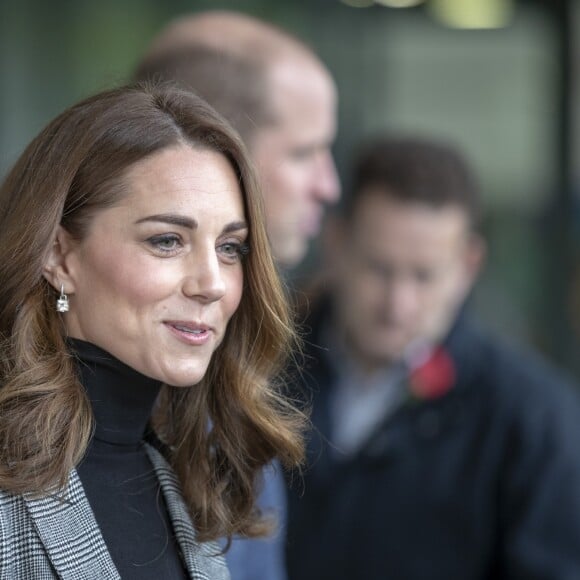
[(233, 251), (167, 245)]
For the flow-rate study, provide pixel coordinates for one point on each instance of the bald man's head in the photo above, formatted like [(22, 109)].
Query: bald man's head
[(233, 85), (231, 32), (229, 59), (280, 97)]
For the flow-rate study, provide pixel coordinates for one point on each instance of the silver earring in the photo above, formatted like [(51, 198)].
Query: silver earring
[(62, 302)]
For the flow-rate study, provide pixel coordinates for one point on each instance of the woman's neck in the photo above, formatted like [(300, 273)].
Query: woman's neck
[(122, 399)]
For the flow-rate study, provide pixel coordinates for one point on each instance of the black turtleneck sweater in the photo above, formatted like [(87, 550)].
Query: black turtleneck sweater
[(116, 472)]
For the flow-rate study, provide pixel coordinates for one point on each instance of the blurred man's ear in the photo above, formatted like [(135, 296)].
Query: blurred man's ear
[(475, 257)]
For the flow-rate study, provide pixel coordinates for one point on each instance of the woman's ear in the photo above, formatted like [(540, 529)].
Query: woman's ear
[(55, 268)]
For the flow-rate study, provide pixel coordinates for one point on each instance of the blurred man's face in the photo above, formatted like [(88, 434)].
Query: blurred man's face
[(293, 158), (402, 272)]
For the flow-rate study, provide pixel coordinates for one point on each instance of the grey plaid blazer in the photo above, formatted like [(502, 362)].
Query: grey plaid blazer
[(58, 537)]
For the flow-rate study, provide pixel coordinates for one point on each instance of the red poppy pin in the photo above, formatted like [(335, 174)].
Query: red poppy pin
[(434, 377)]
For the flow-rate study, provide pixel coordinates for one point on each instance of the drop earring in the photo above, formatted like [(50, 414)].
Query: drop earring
[(62, 302)]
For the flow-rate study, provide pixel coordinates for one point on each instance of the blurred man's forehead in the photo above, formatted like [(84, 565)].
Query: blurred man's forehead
[(389, 226), (384, 203)]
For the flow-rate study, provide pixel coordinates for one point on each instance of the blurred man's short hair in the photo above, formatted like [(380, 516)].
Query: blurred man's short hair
[(415, 171)]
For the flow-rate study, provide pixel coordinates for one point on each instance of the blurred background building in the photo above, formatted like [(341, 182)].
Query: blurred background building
[(497, 77)]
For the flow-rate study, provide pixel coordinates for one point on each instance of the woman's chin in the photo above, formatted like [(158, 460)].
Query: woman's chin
[(183, 379)]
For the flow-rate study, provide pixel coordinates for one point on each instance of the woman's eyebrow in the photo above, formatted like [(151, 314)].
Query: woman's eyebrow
[(235, 226), (170, 218)]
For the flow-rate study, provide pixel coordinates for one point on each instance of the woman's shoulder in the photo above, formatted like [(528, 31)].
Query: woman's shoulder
[(20, 546), (11, 506)]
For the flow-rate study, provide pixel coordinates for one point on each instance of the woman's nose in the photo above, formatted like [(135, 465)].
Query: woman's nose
[(204, 277)]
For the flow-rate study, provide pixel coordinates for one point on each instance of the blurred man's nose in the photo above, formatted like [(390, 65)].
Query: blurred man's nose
[(402, 300), (326, 182)]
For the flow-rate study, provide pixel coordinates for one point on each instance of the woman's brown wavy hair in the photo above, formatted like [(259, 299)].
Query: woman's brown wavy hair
[(220, 433)]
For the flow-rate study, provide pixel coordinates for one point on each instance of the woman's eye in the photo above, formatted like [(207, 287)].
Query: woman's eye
[(167, 243), (233, 251)]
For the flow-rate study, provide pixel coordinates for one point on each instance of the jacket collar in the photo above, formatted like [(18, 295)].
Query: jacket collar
[(203, 560), (69, 532)]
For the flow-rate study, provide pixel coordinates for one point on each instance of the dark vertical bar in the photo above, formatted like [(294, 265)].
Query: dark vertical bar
[(560, 251)]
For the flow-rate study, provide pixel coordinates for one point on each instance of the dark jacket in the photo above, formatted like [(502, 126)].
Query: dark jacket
[(480, 483)]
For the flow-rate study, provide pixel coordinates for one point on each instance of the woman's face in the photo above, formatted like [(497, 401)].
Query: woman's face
[(159, 275)]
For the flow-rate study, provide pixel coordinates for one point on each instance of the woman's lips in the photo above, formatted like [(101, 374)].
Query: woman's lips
[(189, 332)]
